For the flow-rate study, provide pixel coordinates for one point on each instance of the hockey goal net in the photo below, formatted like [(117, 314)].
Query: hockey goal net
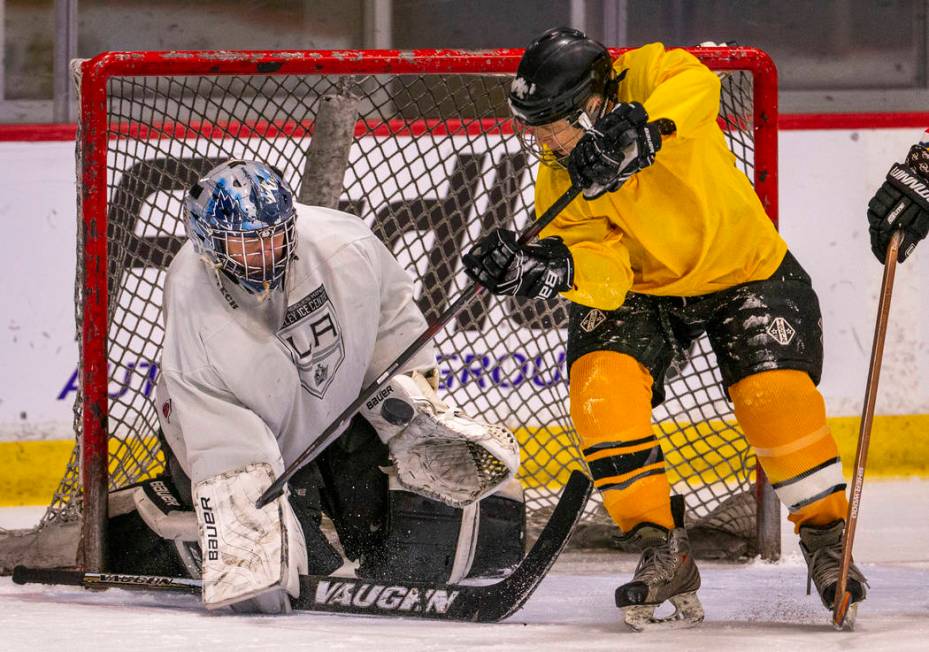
[(420, 147)]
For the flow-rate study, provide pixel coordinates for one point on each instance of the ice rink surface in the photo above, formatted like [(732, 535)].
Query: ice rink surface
[(755, 606)]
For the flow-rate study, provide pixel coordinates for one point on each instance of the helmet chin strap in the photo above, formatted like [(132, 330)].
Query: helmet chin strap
[(584, 121), (605, 107)]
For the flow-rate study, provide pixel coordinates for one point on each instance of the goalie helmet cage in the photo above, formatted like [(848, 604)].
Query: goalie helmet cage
[(431, 161)]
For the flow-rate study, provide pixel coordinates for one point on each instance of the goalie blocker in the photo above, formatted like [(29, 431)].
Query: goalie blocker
[(392, 533)]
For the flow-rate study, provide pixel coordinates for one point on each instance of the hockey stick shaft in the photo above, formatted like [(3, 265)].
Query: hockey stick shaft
[(842, 601), (665, 126), (335, 428), (348, 595)]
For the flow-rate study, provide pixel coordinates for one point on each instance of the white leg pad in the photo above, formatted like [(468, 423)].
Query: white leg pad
[(252, 557)]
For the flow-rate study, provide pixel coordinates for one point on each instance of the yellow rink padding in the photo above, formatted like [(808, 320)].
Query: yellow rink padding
[(899, 444), (30, 470)]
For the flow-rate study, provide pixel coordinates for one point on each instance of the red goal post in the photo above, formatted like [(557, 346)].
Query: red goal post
[(428, 105)]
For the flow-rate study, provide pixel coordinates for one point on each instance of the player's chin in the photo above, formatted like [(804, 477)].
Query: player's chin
[(557, 156), (559, 149)]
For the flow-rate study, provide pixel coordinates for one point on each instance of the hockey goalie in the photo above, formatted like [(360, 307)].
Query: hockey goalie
[(276, 315)]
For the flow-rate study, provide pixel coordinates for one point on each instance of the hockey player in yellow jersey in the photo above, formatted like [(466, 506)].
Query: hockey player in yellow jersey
[(668, 241)]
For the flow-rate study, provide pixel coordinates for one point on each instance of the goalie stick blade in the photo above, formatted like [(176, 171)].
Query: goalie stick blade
[(481, 604)]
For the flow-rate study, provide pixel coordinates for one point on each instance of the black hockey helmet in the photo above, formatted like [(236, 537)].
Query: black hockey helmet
[(558, 72)]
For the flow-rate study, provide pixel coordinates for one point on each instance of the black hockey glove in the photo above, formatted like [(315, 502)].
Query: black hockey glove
[(537, 270), (620, 144), (902, 203)]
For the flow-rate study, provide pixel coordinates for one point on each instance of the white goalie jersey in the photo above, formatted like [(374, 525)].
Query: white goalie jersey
[(246, 382), (249, 381)]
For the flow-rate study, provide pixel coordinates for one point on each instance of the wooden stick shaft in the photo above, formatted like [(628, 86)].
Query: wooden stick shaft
[(867, 418)]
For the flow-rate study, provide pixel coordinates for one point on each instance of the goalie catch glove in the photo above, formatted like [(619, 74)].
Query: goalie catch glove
[(621, 144), (901, 203), (436, 450), (537, 270), (252, 557)]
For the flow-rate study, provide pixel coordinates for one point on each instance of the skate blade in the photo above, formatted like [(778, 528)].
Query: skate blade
[(688, 612)]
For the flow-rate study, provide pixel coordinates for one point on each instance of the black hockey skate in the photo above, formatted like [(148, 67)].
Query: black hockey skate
[(822, 550), (666, 572)]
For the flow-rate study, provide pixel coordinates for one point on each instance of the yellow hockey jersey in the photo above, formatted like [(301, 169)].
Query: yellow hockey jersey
[(687, 225)]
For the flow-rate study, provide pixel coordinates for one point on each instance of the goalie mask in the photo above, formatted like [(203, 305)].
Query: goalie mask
[(241, 218), (557, 75)]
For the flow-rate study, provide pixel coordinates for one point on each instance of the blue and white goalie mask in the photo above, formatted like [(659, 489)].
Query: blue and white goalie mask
[(241, 218)]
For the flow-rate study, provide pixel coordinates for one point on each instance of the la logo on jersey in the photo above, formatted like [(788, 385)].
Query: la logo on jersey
[(312, 334)]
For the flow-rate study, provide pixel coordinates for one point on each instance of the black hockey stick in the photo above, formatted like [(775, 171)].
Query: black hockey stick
[(664, 125), (346, 595)]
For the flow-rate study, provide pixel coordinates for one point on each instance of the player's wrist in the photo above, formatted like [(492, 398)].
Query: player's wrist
[(918, 160)]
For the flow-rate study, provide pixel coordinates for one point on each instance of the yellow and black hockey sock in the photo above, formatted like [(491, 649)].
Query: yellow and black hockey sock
[(611, 408), (783, 416)]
